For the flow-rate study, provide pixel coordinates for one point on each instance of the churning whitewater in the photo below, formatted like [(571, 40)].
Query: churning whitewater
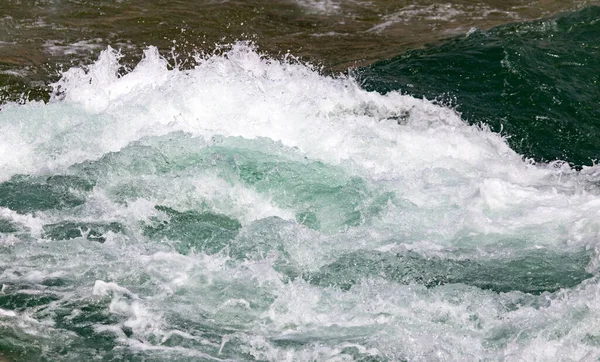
[(253, 209)]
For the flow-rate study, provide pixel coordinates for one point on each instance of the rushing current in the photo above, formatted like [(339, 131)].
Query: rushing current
[(252, 208)]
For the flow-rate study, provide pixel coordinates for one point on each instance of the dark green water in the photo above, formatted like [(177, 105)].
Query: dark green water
[(538, 83)]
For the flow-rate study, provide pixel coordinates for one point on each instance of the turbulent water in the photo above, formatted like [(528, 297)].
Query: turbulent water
[(253, 208)]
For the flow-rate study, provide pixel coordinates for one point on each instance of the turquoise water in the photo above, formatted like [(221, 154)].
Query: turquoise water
[(251, 208)]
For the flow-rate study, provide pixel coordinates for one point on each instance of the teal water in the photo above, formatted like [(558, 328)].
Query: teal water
[(538, 83), (250, 208)]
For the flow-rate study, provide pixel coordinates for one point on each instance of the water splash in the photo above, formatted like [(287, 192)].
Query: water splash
[(251, 208)]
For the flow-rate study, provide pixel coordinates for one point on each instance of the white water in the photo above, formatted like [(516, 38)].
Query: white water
[(169, 137)]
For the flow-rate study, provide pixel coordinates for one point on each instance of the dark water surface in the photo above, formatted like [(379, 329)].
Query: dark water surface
[(37, 36), (536, 82)]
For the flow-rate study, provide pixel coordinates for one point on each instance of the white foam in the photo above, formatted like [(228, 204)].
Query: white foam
[(319, 6), (102, 288), (245, 95), (7, 313), (31, 223), (456, 187)]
